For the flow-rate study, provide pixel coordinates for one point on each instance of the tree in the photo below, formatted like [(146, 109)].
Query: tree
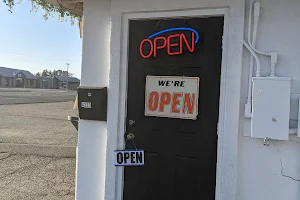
[(59, 72), (45, 73), (38, 74), (50, 10), (49, 73), (67, 74)]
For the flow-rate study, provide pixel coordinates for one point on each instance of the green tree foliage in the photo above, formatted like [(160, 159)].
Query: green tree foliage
[(50, 10), (46, 73), (49, 73)]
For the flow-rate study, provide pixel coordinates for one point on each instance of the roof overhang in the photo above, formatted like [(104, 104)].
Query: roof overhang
[(73, 6)]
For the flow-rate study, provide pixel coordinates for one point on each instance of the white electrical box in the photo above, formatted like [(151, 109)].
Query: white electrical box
[(271, 107)]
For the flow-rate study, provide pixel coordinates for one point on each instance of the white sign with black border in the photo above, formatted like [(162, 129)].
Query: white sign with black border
[(129, 157), (172, 96)]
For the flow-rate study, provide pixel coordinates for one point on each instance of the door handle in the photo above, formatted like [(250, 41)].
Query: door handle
[(130, 136)]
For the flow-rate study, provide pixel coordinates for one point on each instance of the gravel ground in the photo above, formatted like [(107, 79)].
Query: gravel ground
[(42, 123), (31, 177)]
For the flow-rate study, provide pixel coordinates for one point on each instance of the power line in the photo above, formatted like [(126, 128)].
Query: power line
[(39, 57)]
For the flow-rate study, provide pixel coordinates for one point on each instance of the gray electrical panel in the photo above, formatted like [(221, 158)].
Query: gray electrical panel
[(271, 107)]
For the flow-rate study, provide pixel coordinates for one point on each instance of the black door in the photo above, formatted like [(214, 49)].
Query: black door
[(180, 154)]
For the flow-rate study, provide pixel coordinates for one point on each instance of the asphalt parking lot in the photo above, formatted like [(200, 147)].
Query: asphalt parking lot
[(38, 124), (33, 117), (27, 96)]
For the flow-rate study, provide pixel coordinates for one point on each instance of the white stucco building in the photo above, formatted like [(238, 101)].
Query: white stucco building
[(246, 169)]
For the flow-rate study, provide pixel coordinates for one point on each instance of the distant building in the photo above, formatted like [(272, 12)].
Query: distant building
[(58, 82), (69, 83), (45, 82), (10, 77)]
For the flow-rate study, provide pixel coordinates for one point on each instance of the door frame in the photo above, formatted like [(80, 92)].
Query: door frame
[(226, 173)]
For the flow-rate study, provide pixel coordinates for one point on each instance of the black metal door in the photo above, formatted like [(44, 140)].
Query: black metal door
[(180, 154)]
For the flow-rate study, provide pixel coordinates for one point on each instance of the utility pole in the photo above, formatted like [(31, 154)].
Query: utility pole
[(67, 74)]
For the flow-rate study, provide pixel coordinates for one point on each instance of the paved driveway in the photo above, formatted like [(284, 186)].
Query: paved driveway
[(32, 177), (41, 123), (26, 96)]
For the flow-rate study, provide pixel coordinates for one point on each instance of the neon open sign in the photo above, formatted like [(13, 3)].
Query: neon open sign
[(169, 42)]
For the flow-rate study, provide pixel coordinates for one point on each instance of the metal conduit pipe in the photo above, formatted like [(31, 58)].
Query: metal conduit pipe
[(273, 55), (255, 57), (248, 106)]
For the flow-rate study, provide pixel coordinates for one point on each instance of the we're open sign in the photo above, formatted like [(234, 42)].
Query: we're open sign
[(172, 96)]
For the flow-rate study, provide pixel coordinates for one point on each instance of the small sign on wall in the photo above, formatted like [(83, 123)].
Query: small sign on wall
[(129, 157), (172, 96)]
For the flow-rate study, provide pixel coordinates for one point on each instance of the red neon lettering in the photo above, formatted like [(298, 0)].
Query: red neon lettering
[(183, 38), (173, 45), (167, 43), (141, 48), (188, 103), (159, 47), (175, 102), (165, 99)]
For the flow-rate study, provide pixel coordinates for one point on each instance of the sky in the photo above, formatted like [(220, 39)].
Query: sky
[(29, 42)]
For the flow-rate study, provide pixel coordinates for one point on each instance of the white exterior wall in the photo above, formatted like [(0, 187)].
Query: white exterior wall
[(258, 167), (92, 135), (232, 66)]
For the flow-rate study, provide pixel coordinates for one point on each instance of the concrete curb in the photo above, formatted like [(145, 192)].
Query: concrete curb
[(39, 150)]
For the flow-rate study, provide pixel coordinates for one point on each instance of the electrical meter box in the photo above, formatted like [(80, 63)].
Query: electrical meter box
[(92, 103), (271, 107)]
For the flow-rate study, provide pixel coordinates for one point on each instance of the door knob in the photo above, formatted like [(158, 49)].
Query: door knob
[(130, 136), (131, 122)]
